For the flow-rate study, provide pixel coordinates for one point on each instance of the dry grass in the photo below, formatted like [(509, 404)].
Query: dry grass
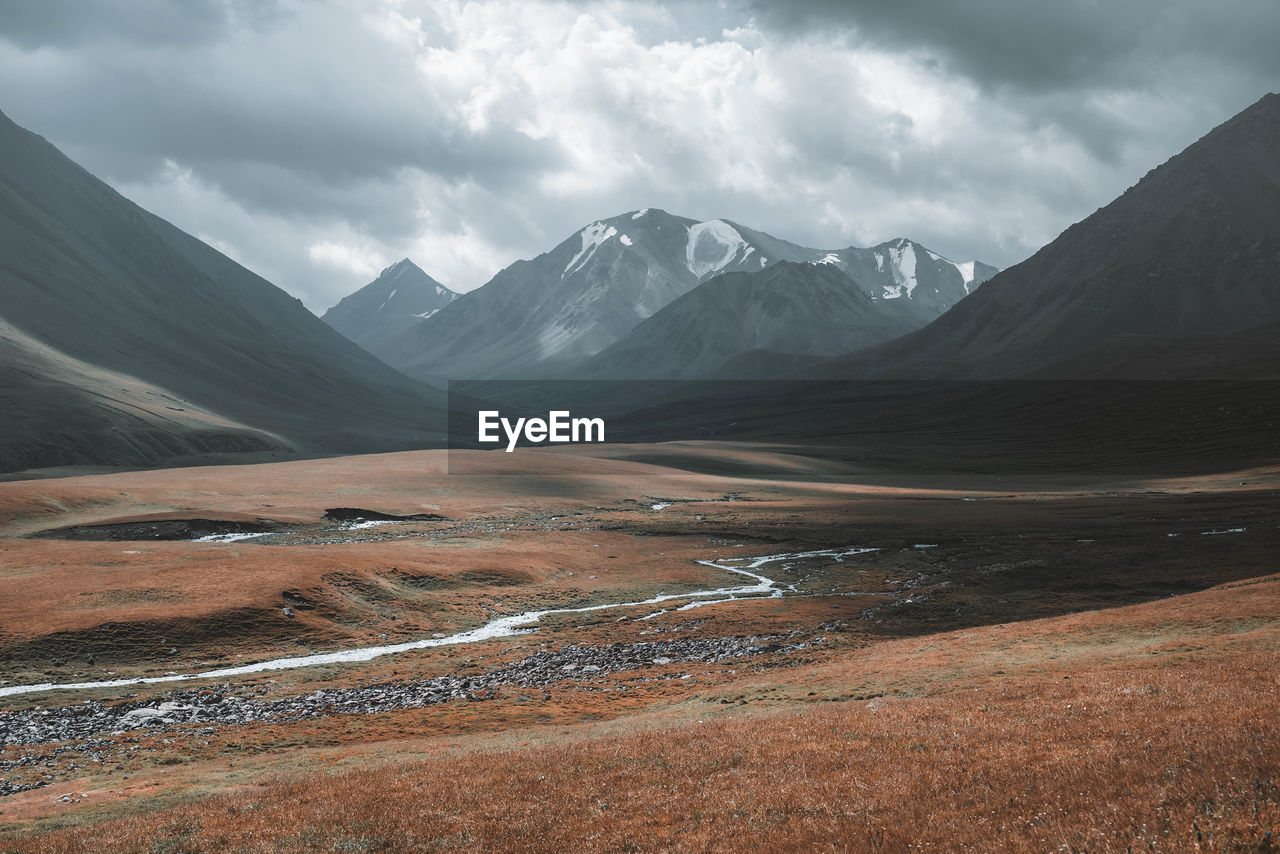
[(1146, 728), (1171, 756)]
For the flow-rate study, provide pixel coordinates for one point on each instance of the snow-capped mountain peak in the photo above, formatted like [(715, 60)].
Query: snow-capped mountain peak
[(537, 317)]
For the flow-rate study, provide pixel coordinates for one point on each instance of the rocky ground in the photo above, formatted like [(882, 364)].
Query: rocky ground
[(90, 728)]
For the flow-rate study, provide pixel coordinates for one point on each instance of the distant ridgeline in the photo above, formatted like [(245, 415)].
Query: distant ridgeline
[(648, 294)]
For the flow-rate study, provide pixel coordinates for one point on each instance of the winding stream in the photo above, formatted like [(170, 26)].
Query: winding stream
[(763, 587)]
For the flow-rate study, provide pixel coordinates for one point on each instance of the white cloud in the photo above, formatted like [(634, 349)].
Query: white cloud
[(359, 261)]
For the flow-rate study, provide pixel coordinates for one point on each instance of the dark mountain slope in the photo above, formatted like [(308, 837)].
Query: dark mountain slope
[(1250, 354), (90, 275), (1193, 249), (56, 410), (795, 308)]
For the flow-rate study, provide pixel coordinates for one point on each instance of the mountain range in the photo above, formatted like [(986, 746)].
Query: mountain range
[(549, 316), (125, 341), (1177, 279)]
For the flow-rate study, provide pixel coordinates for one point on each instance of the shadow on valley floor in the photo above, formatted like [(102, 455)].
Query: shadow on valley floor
[(831, 430)]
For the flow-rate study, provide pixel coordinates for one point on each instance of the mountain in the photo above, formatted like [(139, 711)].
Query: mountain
[(1251, 354), (926, 283), (1177, 279), (793, 308), (58, 410), (400, 297), (129, 342), (1191, 253), (548, 315)]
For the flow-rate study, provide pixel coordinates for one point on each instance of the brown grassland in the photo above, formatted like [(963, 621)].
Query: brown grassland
[(1058, 671)]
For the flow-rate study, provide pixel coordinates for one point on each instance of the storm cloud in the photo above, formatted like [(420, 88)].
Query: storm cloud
[(317, 143)]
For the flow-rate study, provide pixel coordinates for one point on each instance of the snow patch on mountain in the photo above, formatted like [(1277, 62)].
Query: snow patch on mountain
[(903, 264), (712, 246), (626, 241), (592, 236), (639, 213), (831, 258)]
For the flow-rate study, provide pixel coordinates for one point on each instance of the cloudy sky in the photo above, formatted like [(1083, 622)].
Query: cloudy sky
[(317, 142)]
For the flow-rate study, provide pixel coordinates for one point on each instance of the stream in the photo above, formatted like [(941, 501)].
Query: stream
[(515, 624)]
